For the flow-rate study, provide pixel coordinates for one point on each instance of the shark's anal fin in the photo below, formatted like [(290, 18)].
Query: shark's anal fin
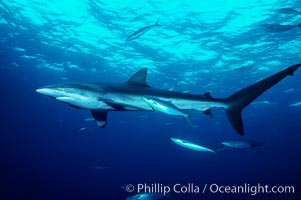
[(208, 112), (139, 78), (100, 117)]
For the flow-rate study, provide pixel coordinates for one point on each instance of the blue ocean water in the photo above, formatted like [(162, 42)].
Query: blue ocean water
[(51, 151)]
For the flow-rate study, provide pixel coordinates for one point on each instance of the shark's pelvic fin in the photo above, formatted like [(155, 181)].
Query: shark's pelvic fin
[(239, 100), (139, 78), (100, 117)]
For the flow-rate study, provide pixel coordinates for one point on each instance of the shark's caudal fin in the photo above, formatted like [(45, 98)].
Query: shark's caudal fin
[(239, 100)]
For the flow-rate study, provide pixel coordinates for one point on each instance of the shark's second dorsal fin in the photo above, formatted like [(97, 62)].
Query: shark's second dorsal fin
[(139, 78), (207, 94)]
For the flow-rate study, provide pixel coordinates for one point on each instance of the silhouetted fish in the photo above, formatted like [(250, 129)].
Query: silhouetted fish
[(288, 11), (274, 28), (141, 31)]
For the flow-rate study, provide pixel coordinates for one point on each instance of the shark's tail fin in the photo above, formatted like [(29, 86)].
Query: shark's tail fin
[(239, 100)]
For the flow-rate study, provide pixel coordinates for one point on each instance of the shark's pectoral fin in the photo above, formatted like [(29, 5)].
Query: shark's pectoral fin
[(100, 117)]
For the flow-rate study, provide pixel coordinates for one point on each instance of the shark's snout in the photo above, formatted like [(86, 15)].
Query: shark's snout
[(48, 92), (42, 91)]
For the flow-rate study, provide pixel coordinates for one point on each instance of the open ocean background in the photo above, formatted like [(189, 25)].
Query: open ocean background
[(49, 151)]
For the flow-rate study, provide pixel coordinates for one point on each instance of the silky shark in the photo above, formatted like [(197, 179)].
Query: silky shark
[(101, 98), (274, 28)]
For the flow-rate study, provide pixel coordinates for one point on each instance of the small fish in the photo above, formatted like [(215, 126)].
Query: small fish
[(142, 31), (295, 104), (167, 107), (241, 144), (89, 119), (288, 11), (173, 88), (83, 128), (290, 90), (192, 146), (242, 68), (274, 28), (146, 196), (19, 49)]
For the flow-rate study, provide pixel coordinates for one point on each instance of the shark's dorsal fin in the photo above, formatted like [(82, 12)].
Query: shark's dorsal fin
[(139, 78)]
